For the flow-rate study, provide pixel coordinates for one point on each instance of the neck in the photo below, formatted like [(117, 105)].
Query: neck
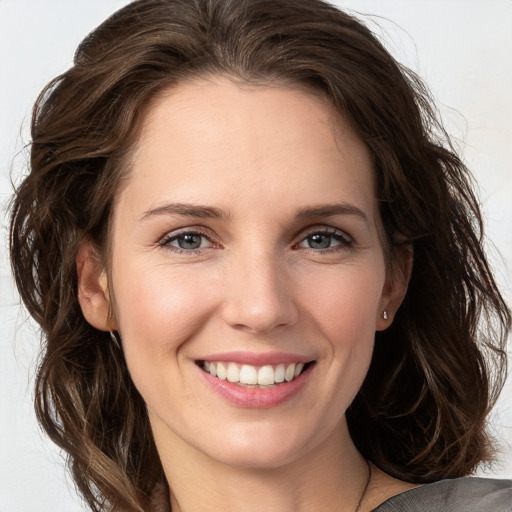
[(331, 477)]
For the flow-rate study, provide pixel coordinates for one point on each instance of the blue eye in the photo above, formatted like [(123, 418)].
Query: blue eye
[(186, 241), (322, 240)]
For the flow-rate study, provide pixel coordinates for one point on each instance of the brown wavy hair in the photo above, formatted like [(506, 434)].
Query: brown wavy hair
[(421, 413)]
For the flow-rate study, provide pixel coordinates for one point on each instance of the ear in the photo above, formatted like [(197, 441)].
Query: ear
[(395, 286), (93, 289)]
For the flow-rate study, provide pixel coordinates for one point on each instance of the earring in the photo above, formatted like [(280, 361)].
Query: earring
[(115, 340), (385, 314)]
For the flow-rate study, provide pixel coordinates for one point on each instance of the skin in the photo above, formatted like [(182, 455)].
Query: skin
[(269, 162)]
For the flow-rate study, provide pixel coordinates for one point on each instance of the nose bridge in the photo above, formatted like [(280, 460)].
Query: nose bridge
[(258, 294)]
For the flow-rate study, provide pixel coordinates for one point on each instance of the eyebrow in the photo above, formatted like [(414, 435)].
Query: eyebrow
[(209, 212), (329, 210), (186, 210)]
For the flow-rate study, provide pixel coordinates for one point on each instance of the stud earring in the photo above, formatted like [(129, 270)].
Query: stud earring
[(385, 314), (115, 340)]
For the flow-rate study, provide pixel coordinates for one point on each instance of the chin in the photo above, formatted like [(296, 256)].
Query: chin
[(251, 455), (267, 445)]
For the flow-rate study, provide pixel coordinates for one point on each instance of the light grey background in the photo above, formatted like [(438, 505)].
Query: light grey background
[(463, 49)]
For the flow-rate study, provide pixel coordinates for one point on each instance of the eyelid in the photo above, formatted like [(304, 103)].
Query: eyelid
[(329, 230), (165, 240), (347, 241)]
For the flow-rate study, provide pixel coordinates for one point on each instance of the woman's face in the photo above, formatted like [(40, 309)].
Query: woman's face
[(245, 245)]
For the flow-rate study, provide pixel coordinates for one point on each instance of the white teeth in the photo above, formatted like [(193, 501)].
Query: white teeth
[(279, 373), (222, 372), (289, 374), (233, 374), (249, 375), (266, 375)]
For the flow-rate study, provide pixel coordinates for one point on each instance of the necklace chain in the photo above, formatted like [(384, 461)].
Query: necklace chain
[(366, 485)]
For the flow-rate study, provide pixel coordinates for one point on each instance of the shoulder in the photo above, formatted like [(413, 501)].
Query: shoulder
[(457, 495)]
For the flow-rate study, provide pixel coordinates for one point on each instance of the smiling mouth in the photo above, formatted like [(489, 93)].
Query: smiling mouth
[(254, 376)]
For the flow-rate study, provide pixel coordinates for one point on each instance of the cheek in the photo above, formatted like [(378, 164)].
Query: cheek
[(344, 302), (345, 315), (158, 309)]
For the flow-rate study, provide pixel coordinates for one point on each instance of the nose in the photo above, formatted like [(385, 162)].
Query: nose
[(259, 294)]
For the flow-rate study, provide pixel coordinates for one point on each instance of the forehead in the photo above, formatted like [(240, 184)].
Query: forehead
[(216, 140)]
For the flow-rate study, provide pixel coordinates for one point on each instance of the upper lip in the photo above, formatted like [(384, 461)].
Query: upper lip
[(257, 359)]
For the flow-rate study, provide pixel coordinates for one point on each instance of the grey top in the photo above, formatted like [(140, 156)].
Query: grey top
[(457, 495)]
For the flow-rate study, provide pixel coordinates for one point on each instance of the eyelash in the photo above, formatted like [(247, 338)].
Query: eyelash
[(345, 241), (165, 242)]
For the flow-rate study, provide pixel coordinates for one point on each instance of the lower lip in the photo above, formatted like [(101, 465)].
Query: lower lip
[(253, 397)]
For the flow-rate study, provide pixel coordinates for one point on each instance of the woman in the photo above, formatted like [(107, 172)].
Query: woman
[(257, 263)]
